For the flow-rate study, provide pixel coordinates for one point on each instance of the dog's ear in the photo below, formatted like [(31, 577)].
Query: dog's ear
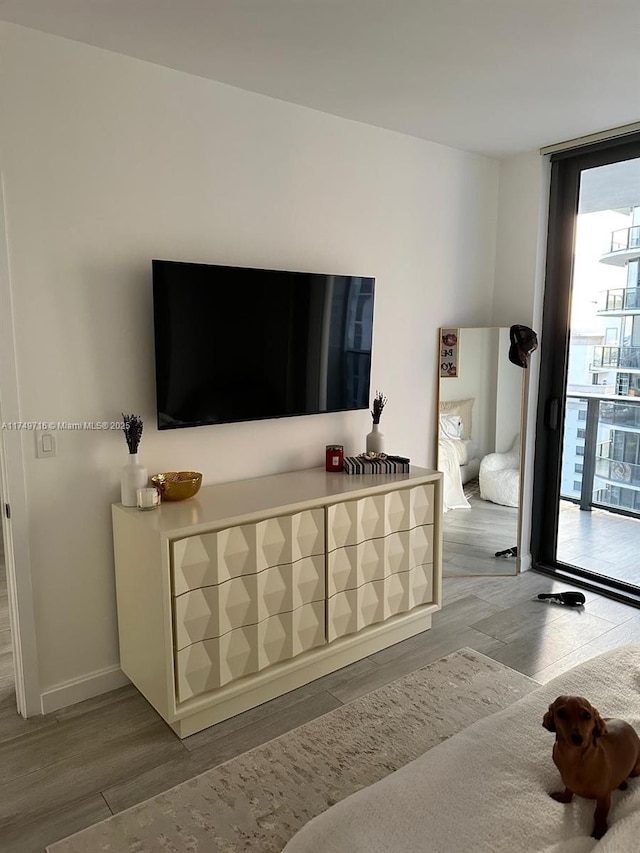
[(548, 720), (599, 725)]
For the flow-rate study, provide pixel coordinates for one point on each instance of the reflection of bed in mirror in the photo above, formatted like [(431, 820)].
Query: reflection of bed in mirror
[(479, 421), (457, 450)]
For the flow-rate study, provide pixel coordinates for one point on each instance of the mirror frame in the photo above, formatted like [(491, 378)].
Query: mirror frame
[(523, 397)]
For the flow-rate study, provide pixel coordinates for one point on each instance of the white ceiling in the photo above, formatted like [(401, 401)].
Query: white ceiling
[(493, 76)]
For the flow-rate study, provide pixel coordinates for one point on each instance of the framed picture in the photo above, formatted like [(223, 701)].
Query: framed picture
[(449, 353)]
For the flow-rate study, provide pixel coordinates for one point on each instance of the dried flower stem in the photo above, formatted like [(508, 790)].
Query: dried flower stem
[(379, 402), (132, 430)]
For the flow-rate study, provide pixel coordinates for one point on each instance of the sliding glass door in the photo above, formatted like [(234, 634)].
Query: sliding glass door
[(586, 522)]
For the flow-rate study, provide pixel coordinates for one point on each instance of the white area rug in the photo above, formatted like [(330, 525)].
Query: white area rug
[(486, 789), (257, 801)]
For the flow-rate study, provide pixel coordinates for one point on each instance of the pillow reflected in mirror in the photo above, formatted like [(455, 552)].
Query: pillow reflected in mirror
[(450, 426), (463, 409)]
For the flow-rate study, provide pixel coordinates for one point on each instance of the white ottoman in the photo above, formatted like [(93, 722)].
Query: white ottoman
[(500, 476)]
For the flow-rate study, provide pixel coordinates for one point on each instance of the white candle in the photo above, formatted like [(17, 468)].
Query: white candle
[(148, 498)]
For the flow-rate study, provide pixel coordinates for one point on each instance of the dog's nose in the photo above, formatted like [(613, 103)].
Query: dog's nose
[(577, 739)]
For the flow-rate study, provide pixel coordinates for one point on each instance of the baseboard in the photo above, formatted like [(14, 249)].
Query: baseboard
[(525, 562), (71, 692)]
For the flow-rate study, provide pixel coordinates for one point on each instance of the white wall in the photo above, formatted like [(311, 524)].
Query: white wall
[(109, 162), (521, 239), (523, 203), (508, 395)]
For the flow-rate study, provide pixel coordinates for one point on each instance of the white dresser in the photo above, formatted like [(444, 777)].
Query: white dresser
[(255, 587)]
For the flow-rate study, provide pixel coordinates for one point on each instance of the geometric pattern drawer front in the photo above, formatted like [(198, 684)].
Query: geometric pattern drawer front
[(211, 558), (283, 589), (342, 569), (342, 525), (273, 544), (371, 517), (203, 614), (212, 611), (371, 603), (421, 505), (193, 562), (289, 538), (352, 522), (351, 567), (398, 594), (421, 587), (354, 609), (213, 663), (285, 636), (398, 511), (235, 552), (371, 558), (273, 591), (376, 559), (214, 558), (308, 584), (308, 627), (274, 640), (398, 552), (421, 545), (342, 614), (307, 534), (197, 669), (210, 664)]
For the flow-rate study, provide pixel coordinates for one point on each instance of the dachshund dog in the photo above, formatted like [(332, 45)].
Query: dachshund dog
[(594, 755)]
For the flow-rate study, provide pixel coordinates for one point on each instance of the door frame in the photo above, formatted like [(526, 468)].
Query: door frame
[(566, 168), (12, 480)]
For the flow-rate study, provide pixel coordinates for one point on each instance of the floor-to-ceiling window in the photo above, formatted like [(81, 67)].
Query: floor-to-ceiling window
[(586, 520)]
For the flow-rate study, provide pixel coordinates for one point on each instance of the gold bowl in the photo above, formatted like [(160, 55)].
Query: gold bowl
[(177, 485)]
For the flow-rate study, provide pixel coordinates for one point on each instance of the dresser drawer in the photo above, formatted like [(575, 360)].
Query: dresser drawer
[(353, 609), (373, 517), (376, 559), (212, 611), (213, 558), (209, 664)]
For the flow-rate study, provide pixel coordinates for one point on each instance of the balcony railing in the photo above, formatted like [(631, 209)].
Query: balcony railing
[(625, 239), (623, 413), (615, 470), (609, 459), (619, 299), (625, 357)]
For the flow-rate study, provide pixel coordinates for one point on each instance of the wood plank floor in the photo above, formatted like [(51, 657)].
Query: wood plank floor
[(471, 537), (70, 769)]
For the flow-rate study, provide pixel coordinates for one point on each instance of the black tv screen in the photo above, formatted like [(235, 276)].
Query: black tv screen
[(240, 344)]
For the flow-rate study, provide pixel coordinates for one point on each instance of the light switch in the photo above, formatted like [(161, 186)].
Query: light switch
[(45, 445)]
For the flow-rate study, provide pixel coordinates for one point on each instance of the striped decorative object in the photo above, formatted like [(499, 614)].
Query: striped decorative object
[(363, 465)]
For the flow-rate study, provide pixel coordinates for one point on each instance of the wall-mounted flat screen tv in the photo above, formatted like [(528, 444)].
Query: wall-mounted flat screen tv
[(241, 344)]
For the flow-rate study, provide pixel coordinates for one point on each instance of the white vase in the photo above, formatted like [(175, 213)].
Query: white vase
[(134, 477), (375, 440)]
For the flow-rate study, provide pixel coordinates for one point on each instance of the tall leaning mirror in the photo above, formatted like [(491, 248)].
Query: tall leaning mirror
[(480, 408)]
